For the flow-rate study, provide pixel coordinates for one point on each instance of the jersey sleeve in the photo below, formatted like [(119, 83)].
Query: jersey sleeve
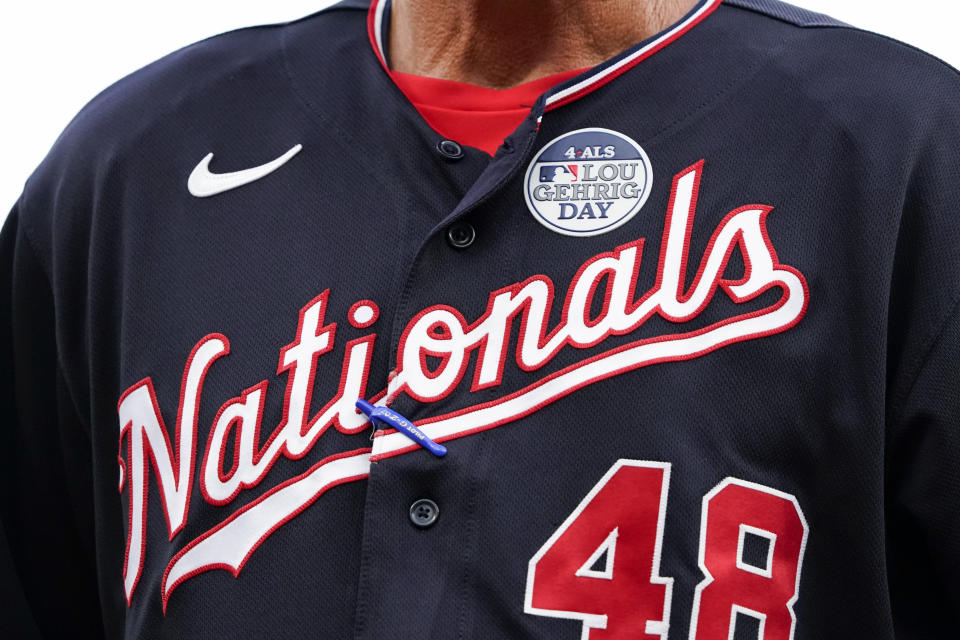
[(47, 557), (924, 496), (922, 483)]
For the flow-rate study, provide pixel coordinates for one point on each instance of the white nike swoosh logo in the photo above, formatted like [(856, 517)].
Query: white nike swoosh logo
[(203, 183)]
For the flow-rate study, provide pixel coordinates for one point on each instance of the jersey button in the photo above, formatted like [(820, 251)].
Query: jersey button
[(461, 235), (423, 513), (450, 149)]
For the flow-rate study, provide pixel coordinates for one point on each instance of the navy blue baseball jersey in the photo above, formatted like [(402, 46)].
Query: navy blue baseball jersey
[(681, 360)]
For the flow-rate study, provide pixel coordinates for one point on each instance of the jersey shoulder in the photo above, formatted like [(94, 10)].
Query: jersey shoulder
[(205, 73), (158, 111), (851, 71), (787, 13), (809, 37), (893, 111)]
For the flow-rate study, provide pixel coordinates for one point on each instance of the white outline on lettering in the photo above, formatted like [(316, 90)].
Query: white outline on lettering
[(592, 621)]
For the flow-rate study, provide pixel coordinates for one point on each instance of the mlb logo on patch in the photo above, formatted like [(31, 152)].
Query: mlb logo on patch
[(558, 173), (588, 182)]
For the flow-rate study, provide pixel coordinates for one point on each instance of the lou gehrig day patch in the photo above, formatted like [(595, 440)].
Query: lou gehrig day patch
[(587, 182)]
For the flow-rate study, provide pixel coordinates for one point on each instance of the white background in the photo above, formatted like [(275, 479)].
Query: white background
[(57, 54)]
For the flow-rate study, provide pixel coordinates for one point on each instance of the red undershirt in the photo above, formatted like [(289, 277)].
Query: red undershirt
[(471, 115)]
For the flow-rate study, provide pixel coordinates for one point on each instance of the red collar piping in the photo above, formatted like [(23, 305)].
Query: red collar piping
[(590, 80)]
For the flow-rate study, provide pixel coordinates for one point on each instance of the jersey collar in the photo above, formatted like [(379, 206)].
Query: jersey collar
[(581, 85)]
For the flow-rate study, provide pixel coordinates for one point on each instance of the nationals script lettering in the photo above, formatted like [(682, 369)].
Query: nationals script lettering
[(444, 333)]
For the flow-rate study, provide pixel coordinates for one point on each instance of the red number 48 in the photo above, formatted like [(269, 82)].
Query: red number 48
[(601, 566)]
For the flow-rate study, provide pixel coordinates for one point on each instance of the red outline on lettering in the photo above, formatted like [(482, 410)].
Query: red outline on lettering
[(444, 333), (260, 452), (168, 591), (520, 300), (143, 515), (257, 455), (174, 460), (725, 284), (517, 291), (353, 309), (123, 466), (339, 426), (291, 369), (369, 340), (607, 296)]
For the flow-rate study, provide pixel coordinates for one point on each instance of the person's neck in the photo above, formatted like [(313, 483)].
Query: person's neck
[(503, 43)]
